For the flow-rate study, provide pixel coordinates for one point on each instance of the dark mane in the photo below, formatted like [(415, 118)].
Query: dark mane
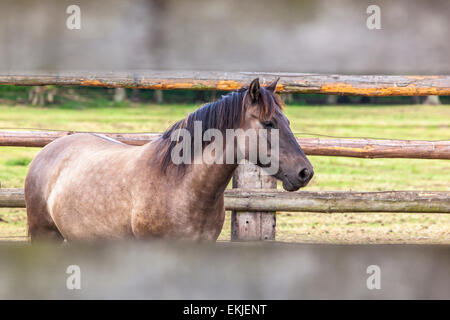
[(225, 113)]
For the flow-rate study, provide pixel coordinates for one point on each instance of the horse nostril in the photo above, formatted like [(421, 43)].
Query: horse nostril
[(304, 174)]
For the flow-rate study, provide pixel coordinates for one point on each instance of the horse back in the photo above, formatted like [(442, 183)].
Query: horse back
[(68, 174)]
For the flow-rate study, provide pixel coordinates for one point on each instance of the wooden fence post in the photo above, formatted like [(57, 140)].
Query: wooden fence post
[(252, 225)]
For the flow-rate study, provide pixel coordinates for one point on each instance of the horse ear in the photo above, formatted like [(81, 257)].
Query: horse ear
[(253, 90), (273, 86)]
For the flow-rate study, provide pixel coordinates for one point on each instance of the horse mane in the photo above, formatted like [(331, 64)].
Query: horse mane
[(226, 113)]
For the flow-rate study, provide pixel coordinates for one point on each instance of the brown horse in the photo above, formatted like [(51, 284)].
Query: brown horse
[(89, 187)]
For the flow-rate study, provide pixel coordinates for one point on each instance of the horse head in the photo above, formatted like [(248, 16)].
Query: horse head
[(263, 113)]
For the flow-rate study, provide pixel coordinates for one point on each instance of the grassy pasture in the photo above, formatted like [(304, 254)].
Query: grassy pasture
[(332, 173)]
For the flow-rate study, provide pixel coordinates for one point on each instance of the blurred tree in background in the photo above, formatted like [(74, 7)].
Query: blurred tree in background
[(88, 97)]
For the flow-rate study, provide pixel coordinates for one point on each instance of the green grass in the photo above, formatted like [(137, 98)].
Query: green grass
[(413, 122)]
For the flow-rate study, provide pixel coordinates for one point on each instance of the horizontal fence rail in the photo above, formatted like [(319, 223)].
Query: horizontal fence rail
[(360, 148), (12, 198), (332, 201), (369, 85), (306, 201)]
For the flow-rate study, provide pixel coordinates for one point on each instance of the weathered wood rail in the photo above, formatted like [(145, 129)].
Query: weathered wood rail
[(12, 198), (332, 201), (360, 148), (263, 200), (369, 85)]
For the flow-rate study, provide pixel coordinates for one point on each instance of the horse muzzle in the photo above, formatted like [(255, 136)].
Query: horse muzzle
[(300, 180)]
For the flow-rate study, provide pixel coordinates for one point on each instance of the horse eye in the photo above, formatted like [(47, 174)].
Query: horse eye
[(268, 124)]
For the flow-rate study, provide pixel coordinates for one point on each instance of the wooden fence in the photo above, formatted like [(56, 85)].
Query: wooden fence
[(252, 202), (377, 85), (307, 201), (359, 148)]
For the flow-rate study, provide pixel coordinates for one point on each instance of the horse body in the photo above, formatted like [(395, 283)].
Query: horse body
[(85, 187), (89, 187)]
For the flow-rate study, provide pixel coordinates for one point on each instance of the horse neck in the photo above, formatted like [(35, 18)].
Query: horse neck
[(209, 180), (209, 177)]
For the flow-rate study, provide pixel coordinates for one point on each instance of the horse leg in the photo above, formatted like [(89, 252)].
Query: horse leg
[(41, 226)]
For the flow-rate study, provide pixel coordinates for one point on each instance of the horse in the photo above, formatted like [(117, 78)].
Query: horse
[(88, 187)]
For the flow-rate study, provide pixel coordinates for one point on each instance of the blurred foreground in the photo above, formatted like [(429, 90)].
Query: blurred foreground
[(156, 270), (313, 36)]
